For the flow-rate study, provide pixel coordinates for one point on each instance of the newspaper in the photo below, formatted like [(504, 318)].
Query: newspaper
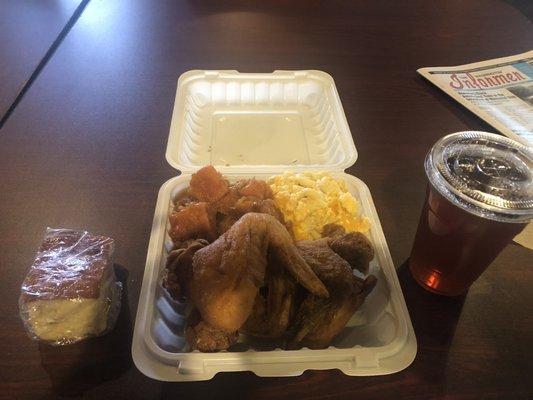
[(500, 91)]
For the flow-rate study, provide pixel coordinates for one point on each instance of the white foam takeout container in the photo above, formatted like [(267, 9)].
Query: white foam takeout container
[(260, 125)]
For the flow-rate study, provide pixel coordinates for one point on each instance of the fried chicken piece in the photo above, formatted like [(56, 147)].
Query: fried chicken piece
[(251, 204), (318, 320), (204, 337), (355, 248), (272, 310), (208, 184), (333, 230), (179, 268), (194, 221), (268, 206), (224, 222), (245, 205), (256, 324), (228, 273)]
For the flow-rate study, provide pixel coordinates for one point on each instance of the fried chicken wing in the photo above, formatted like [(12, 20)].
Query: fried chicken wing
[(273, 305), (319, 320), (332, 230), (228, 273)]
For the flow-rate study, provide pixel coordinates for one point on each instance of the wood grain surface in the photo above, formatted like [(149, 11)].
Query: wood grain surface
[(85, 149), (28, 29)]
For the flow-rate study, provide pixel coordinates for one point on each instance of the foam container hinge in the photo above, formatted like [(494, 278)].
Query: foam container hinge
[(259, 125)]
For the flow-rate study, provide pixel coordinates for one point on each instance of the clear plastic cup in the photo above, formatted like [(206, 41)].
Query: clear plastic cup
[(479, 196)]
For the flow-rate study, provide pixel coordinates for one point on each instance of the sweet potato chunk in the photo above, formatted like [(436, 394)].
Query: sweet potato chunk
[(208, 184), (195, 221), (255, 188)]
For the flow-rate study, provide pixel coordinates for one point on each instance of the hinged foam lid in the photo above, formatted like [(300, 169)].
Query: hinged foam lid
[(259, 122)]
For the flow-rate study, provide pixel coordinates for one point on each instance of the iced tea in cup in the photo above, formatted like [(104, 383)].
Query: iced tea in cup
[(479, 196)]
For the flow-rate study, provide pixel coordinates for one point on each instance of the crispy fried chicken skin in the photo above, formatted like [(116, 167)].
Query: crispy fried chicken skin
[(354, 247), (204, 337), (274, 304), (318, 320), (224, 279), (228, 273)]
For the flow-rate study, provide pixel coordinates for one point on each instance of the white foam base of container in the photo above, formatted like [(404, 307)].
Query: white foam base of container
[(378, 340)]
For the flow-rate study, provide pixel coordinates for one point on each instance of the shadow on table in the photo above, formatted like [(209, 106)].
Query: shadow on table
[(76, 368), (434, 319)]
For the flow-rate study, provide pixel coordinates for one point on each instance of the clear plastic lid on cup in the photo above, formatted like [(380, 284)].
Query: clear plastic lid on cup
[(486, 174)]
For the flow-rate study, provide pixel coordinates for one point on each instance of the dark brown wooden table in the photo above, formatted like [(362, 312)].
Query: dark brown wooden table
[(28, 30), (85, 148)]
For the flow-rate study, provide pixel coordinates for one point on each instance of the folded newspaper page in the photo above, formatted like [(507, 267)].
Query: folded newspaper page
[(500, 91)]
